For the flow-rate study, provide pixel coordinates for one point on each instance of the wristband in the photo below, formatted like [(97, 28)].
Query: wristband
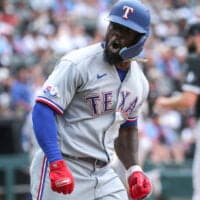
[(134, 168)]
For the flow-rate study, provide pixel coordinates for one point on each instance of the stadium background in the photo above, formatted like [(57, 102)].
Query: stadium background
[(35, 33)]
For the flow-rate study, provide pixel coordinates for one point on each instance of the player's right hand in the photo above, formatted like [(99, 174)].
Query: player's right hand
[(61, 177)]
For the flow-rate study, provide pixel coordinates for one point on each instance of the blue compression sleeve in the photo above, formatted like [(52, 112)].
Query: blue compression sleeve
[(44, 126)]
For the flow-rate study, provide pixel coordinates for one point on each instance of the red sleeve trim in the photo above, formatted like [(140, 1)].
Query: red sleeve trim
[(50, 104)]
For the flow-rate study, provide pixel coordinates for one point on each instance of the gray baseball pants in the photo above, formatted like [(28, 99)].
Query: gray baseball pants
[(91, 183)]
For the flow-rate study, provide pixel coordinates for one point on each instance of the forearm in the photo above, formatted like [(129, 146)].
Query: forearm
[(185, 100), (177, 103), (45, 131), (126, 146), (127, 150)]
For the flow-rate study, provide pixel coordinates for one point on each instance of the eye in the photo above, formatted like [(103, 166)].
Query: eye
[(128, 31), (121, 28), (115, 26)]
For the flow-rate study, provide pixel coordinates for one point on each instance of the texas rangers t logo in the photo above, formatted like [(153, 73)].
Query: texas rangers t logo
[(127, 11)]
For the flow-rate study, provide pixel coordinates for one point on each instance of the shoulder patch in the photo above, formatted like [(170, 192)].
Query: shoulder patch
[(51, 90)]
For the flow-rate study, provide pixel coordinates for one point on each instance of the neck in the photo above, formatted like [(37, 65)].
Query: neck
[(125, 65)]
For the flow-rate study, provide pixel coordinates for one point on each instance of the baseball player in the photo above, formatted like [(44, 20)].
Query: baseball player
[(189, 98), (87, 110)]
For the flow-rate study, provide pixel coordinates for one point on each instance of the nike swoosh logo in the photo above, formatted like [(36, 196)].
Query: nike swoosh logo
[(101, 75)]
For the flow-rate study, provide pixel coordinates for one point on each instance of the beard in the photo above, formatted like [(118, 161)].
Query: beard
[(111, 52)]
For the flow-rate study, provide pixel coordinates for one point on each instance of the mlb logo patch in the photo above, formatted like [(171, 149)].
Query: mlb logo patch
[(52, 91)]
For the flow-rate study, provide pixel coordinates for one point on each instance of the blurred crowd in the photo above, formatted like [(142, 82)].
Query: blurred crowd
[(34, 34)]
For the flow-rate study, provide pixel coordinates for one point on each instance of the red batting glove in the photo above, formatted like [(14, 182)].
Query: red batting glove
[(61, 178), (139, 184)]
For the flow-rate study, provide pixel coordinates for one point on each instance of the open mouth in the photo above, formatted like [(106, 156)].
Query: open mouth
[(114, 46)]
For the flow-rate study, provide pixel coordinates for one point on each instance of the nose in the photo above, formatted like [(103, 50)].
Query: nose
[(118, 34)]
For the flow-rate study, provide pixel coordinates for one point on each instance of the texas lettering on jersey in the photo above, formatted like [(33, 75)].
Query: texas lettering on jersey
[(103, 103)]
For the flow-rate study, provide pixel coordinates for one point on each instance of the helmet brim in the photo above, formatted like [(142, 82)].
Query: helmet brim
[(129, 24)]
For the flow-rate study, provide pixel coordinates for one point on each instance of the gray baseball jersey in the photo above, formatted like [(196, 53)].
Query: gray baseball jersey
[(92, 102)]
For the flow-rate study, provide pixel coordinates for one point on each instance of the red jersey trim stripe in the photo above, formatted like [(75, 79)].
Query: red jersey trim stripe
[(50, 104)]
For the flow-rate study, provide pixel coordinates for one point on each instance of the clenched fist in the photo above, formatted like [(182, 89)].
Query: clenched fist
[(61, 178), (139, 184)]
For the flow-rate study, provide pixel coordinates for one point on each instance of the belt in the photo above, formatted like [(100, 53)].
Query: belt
[(92, 161)]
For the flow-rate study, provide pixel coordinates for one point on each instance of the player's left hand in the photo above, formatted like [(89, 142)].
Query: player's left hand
[(139, 184), (62, 180)]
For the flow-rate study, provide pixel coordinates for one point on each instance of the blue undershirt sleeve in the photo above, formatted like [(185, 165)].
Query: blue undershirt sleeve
[(44, 125)]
